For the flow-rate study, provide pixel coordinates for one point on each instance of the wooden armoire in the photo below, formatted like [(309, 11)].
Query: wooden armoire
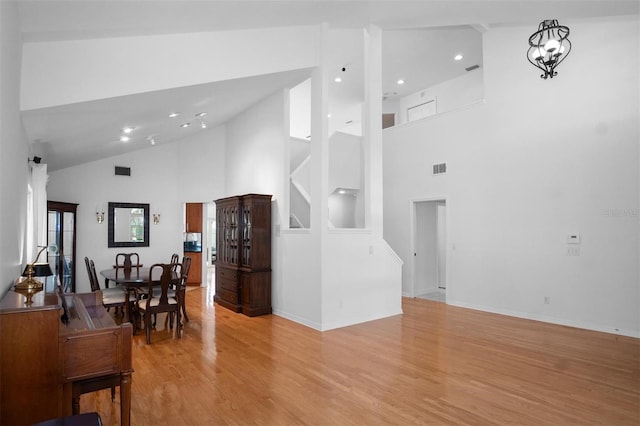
[(243, 262)]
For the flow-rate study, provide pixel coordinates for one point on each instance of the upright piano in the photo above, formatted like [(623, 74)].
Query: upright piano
[(55, 349)]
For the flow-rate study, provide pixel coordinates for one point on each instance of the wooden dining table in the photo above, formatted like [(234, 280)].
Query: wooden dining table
[(131, 278)]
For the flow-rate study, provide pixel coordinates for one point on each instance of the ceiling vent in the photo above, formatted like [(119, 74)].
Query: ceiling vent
[(388, 95), (439, 168), (123, 171), (472, 67)]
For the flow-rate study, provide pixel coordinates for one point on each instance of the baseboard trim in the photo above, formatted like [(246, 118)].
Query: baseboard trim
[(298, 319), (353, 321), (335, 324), (547, 319)]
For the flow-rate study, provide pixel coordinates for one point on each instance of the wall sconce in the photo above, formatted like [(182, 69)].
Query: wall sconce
[(548, 47), (156, 218), (99, 215)]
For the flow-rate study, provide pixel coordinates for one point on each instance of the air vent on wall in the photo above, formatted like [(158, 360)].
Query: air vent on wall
[(439, 168), (123, 171), (472, 67)]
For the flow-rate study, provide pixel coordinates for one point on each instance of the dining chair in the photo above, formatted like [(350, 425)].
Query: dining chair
[(159, 302), (127, 260), (175, 258), (182, 286), (94, 285), (111, 297), (175, 286)]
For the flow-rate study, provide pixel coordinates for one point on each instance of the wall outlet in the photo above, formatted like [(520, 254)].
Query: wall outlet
[(547, 300), (573, 250)]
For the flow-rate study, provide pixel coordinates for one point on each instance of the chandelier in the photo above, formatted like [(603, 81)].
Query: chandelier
[(548, 47)]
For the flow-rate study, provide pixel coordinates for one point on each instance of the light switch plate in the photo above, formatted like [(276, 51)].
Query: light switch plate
[(573, 239)]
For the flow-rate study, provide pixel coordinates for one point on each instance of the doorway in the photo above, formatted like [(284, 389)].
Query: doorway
[(429, 249)]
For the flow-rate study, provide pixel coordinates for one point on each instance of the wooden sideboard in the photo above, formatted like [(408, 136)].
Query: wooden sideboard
[(46, 363)]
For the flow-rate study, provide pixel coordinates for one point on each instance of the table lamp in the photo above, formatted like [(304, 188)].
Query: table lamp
[(30, 285)]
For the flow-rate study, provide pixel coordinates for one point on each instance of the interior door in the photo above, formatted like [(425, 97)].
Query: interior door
[(429, 247), (441, 244)]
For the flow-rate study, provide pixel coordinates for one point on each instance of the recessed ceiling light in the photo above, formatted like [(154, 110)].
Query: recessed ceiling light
[(201, 114), (337, 79), (401, 81), (174, 114), (124, 138), (127, 130), (185, 125), (458, 57), (151, 140)]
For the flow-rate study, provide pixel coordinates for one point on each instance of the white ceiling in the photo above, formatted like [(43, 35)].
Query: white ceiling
[(73, 134), (425, 57), (420, 39)]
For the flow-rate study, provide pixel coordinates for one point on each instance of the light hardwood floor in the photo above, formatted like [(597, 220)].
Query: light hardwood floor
[(435, 364)]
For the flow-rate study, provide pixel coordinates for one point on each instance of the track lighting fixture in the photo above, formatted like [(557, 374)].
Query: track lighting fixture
[(200, 117)]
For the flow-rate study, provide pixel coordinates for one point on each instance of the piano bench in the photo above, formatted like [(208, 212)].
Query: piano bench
[(92, 385)]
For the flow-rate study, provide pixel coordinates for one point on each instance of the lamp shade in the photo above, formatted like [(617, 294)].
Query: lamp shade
[(39, 270)]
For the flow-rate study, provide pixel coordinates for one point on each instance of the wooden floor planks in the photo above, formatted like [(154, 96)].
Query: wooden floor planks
[(435, 364)]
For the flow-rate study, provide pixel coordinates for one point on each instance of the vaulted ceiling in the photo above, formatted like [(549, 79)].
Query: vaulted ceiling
[(419, 41)]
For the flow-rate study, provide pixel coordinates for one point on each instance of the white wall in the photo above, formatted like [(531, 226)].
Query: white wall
[(320, 278), (345, 161), (346, 171), (257, 147), (449, 95), (165, 176), (255, 154), (360, 272), (360, 279), (540, 160), (14, 151), (296, 292), (300, 110)]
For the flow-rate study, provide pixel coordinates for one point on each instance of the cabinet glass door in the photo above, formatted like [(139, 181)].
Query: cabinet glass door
[(61, 231)]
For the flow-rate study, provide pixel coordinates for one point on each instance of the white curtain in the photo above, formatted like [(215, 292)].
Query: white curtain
[(37, 210)]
